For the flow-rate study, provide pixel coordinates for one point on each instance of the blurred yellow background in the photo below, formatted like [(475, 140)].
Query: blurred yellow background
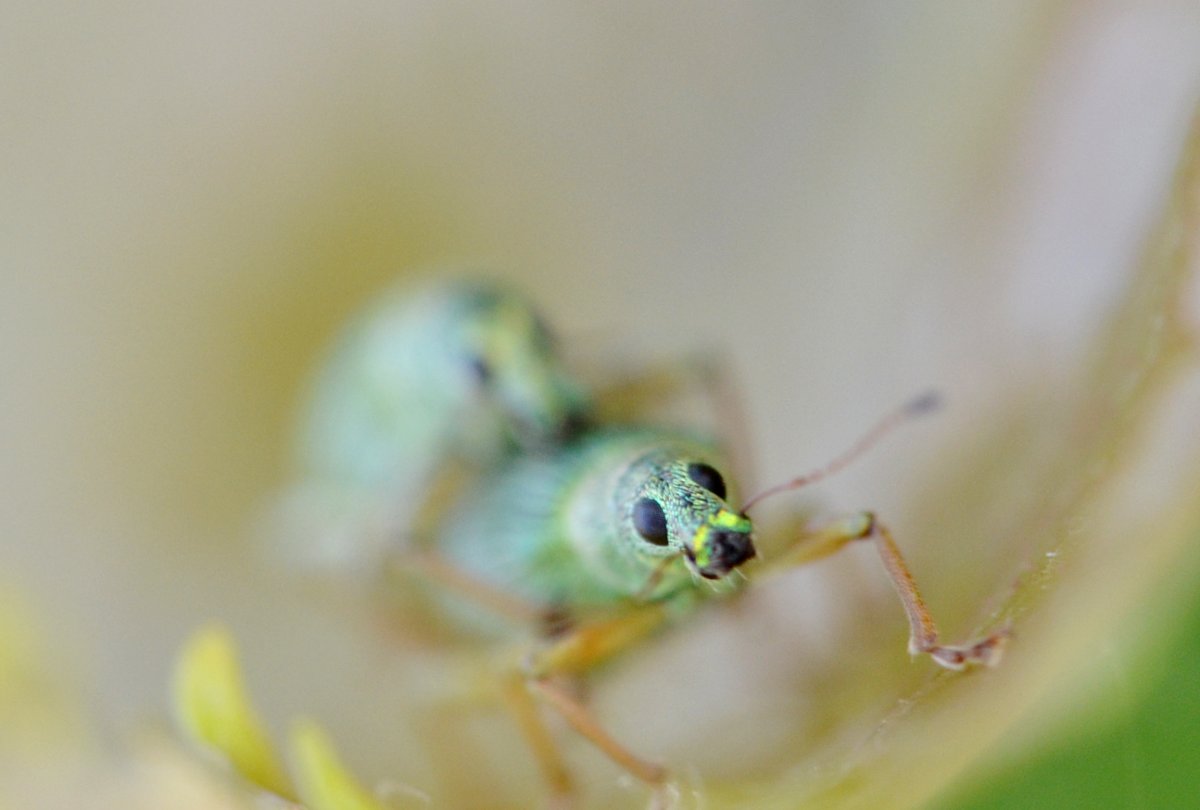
[(847, 204)]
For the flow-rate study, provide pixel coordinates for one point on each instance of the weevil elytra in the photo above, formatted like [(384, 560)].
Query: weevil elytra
[(460, 372), (623, 531)]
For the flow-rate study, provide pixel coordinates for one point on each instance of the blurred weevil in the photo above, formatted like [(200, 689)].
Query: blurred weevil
[(618, 530), (461, 372), (600, 535)]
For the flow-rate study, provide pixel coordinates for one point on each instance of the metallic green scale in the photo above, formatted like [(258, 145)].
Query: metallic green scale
[(458, 369), (459, 373), (561, 529)]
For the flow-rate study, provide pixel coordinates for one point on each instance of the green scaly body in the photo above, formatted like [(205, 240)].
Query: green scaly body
[(461, 372), (558, 529)]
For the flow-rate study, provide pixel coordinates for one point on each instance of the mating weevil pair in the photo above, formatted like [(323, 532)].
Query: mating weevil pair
[(615, 529)]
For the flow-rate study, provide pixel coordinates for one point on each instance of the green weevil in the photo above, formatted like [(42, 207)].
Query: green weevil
[(421, 384), (614, 536), (600, 535)]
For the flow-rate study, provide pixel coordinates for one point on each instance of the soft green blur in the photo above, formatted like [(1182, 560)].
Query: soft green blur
[(1144, 750)]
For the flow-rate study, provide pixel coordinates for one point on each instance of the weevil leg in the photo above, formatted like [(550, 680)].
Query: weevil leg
[(592, 643), (571, 653), (581, 719), (641, 394), (574, 654), (815, 544), (519, 700), (441, 491), (434, 567), (634, 393), (923, 634)]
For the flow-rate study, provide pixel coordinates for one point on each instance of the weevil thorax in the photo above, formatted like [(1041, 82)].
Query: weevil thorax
[(513, 372), (672, 502), (460, 368), (616, 513)]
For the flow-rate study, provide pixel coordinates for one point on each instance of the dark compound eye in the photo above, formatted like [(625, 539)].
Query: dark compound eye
[(480, 369), (709, 478), (650, 522)]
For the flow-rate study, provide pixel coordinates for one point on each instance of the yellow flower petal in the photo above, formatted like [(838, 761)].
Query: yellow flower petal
[(322, 781), (214, 711)]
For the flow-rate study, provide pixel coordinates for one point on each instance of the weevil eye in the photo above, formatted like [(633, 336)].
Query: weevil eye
[(650, 521), (480, 370), (709, 478)]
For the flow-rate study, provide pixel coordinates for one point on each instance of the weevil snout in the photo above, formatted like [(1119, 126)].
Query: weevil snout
[(726, 551), (721, 544)]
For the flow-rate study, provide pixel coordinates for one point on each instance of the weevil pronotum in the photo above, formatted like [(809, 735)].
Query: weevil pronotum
[(459, 372), (612, 537)]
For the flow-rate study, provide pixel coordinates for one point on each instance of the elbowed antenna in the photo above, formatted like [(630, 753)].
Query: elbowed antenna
[(928, 402)]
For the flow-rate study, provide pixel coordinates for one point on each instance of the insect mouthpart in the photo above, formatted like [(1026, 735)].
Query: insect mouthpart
[(721, 545), (727, 550)]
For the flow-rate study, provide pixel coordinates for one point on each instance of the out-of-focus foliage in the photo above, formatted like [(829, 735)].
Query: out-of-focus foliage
[(215, 712), (1147, 756), (324, 783)]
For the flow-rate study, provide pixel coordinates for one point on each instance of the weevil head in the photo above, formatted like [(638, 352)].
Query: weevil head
[(677, 506), (459, 368), (508, 368), (721, 544)]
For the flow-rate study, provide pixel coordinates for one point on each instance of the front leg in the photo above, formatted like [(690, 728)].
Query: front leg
[(575, 654), (546, 673), (923, 635), (655, 393)]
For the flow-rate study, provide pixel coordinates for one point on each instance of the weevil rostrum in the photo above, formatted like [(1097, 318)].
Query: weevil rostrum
[(601, 535)]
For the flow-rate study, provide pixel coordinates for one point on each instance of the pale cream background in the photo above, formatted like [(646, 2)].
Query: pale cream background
[(849, 203)]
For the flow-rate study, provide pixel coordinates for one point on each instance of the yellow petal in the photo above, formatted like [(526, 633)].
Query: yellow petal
[(322, 781), (214, 711)]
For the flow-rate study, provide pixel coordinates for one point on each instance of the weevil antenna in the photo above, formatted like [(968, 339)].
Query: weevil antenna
[(655, 577), (924, 404)]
